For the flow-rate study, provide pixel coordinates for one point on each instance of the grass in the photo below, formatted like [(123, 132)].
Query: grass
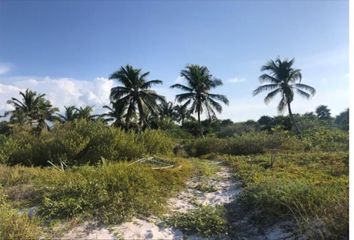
[(284, 178), (15, 225), (110, 193), (309, 188), (206, 221)]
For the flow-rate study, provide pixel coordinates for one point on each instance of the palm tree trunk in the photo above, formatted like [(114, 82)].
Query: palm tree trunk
[(199, 123), (297, 129), (141, 114)]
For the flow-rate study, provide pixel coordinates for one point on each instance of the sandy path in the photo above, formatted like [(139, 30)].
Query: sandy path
[(224, 187)]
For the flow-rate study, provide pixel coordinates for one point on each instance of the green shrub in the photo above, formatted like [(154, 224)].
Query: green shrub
[(156, 142), (206, 221), (310, 188), (81, 142), (15, 225), (249, 143), (327, 139), (109, 193)]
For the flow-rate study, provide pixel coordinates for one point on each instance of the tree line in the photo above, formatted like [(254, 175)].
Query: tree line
[(135, 105)]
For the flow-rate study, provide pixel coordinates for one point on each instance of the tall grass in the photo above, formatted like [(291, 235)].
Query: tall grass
[(310, 188), (81, 142), (109, 193)]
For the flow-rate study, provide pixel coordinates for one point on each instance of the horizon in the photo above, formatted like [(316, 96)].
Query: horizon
[(67, 50)]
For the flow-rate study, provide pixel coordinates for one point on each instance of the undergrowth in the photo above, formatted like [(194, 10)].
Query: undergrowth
[(310, 188), (206, 221)]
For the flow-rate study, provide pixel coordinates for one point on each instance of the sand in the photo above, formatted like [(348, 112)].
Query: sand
[(226, 189)]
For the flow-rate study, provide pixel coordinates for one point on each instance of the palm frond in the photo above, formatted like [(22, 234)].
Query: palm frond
[(184, 96), (219, 97), (282, 104), (271, 95), (266, 87), (182, 87), (267, 78), (149, 84), (306, 87), (303, 93)]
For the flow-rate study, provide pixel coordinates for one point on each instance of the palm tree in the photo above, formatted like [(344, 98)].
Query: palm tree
[(32, 109), (197, 91), (115, 114), (135, 94), (183, 113), (84, 113), (70, 114), (283, 79), (167, 110)]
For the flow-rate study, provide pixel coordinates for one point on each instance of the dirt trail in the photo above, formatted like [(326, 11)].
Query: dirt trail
[(223, 190), (218, 189)]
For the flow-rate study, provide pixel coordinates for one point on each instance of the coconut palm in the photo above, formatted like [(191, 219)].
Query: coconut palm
[(85, 113), (70, 114), (115, 114), (32, 109), (167, 110), (135, 94), (183, 113), (283, 79), (197, 91)]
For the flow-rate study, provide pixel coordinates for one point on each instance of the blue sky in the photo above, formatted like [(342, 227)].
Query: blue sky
[(67, 49)]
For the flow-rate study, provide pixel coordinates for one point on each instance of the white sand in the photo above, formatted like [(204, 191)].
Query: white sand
[(227, 189)]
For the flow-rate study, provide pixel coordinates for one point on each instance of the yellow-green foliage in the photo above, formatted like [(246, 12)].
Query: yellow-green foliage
[(109, 193), (155, 142), (206, 221), (326, 139), (15, 225), (81, 142), (312, 188), (248, 143)]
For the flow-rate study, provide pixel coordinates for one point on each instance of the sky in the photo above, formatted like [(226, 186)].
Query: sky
[(68, 49)]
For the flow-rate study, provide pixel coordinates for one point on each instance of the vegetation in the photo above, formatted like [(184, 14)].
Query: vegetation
[(310, 188), (81, 166), (135, 94), (33, 109), (206, 221), (283, 79), (199, 84), (81, 142)]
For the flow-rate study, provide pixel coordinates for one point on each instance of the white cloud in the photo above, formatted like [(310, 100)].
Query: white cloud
[(236, 80), (66, 91), (60, 91), (4, 68)]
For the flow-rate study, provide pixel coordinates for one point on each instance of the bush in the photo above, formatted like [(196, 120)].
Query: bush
[(14, 225), (311, 188), (206, 221), (250, 143), (109, 193), (81, 142), (156, 142), (327, 139)]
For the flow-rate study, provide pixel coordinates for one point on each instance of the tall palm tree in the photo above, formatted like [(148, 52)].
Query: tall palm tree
[(283, 79), (70, 114), (197, 91), (135, 94), (33, 109)]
